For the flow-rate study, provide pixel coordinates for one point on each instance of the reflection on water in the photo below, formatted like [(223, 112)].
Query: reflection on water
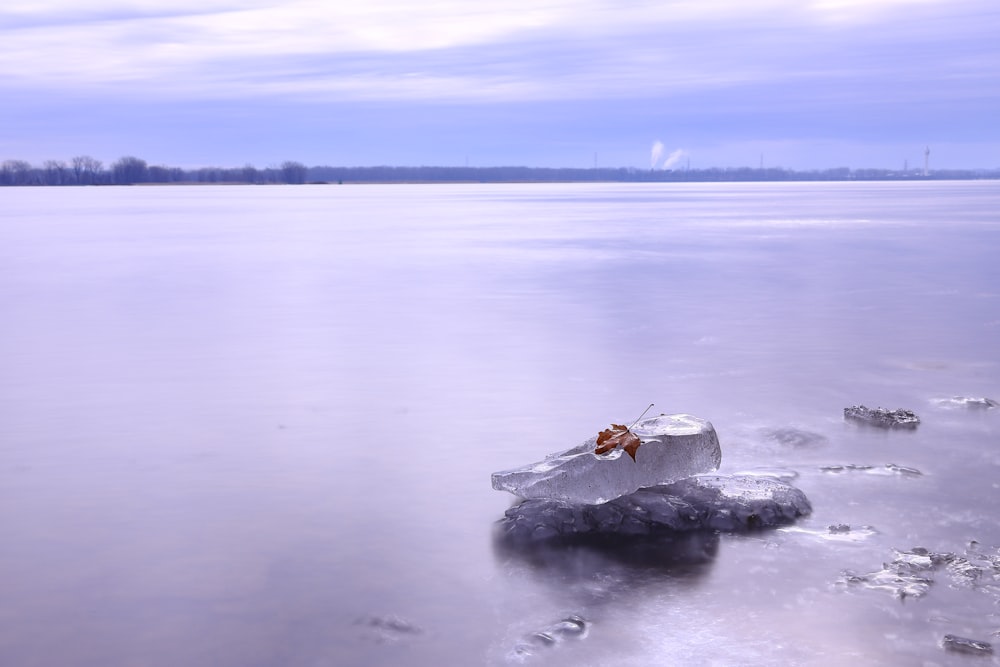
[(621, 562), (592, 575), (234, 421)]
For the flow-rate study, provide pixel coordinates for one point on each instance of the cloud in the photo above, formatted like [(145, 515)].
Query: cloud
[(588, 75), (486, 51)]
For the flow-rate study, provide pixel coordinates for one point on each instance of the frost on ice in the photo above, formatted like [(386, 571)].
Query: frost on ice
[(673, 447)]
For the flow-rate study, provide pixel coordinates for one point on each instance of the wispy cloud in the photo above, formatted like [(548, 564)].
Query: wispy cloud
[(581, 73), (516, 49)]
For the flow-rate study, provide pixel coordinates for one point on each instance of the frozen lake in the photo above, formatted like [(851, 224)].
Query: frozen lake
[(255, 426)]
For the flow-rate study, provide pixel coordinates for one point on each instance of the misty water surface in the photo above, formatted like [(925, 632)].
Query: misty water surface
[(255, 425)]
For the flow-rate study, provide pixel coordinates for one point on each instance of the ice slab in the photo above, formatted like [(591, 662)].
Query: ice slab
[(704, 502), (972, 402), (887, 469), (966, 645), (911, 573), (882, 417), (673, 447)]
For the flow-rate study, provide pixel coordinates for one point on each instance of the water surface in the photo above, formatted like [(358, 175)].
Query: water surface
[(255, 425)]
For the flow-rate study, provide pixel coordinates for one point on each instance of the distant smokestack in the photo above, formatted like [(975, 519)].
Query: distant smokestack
[(927, 161)]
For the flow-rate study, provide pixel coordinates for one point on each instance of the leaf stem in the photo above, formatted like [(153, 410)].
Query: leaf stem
[(639, 417)]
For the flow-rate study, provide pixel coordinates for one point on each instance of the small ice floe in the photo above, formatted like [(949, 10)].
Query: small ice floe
[(882, 417), (568, 629), (967, 646), (840, 532), (906, 576), (783, 474), (911, 573), (387, 628), (887, 469), (967, 402)]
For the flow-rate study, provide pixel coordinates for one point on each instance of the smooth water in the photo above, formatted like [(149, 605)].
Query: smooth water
[(248, 426)]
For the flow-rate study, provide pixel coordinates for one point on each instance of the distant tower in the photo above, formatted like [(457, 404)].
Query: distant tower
[(927, 160)]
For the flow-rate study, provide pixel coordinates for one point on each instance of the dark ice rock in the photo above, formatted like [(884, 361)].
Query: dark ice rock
[(882, 417), (968, 646), (703, 502)]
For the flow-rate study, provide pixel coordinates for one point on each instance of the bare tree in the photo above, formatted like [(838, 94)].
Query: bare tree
[(250, 173), (56, 172), (85, 169), (128, 170), (159, 174), (15, 172), (293, 172)]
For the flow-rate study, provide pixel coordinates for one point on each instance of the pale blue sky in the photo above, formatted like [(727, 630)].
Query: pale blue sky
[(805, 83)]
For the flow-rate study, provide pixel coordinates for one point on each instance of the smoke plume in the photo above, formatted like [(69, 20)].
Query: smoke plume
[(655, 154), (674, 158)]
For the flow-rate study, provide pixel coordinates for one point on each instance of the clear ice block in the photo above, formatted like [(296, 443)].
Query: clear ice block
[(673, 447)]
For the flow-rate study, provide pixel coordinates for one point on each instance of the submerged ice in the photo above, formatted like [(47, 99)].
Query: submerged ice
[(673, 447)]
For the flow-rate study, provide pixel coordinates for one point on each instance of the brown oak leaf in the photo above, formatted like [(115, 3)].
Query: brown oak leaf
[(617, 436)]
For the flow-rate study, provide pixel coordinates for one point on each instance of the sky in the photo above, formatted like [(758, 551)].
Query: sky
[(800, 84)]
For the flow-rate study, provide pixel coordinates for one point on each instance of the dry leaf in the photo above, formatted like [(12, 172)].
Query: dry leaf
[(617, 436)]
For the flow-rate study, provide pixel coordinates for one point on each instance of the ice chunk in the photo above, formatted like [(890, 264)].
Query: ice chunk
[(703, 502), (882, 417), (571, 627), (887, 469), (978, 402), (965, 645), (838, 532), (673, 447), (784, 474), (910, 573)]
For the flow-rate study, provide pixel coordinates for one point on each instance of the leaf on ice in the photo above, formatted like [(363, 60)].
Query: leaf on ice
[(620, 435), (617, 436)]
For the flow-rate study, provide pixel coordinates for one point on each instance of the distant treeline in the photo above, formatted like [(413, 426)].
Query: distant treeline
[(85, 170)]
